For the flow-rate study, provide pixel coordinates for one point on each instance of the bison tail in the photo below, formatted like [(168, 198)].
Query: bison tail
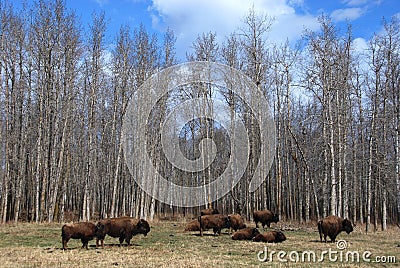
[(63, 232), (320, 229)]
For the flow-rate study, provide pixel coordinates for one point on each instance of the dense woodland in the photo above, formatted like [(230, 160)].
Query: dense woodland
[(64, 91)]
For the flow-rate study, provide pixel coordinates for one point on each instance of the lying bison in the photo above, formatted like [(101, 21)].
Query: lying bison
[(123, 227), (332, 225), (192, 226), (265, 217), (236, 222), (270, 237), (209, 211), (85, 231), (247, 233), (217, 222)]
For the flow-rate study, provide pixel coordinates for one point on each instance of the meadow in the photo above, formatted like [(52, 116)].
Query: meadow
[(167, 245)]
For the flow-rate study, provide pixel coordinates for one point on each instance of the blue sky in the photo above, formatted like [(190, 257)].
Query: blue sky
[(190, 18)]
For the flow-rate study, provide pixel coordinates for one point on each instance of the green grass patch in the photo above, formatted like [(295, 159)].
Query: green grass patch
[(167, 245)]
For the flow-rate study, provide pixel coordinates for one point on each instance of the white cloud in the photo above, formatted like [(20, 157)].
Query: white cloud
[(189, 19), (354, 2), (347, 14), (360, 45), (101, 3)]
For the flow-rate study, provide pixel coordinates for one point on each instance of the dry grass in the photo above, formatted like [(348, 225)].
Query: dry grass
[(167, 245)]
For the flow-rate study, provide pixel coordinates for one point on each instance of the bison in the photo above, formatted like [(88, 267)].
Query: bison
[(265, 217), (217, 222), (236, 222), (192, 226), (247, 233), (332, 225), (270, 237), (209, 211), (123, 227), (85, 231)]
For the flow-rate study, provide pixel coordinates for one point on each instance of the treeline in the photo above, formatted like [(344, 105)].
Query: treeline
[(64, 92)]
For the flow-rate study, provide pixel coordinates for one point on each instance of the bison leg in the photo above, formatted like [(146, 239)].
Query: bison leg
[(325, 237), (102, 242), (64, 242), (121, 240), (201, 231), (84, 243), (333, 238), (217, 231), (128, 239), (320, 230)]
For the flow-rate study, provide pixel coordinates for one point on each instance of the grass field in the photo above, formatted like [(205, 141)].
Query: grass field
[(167, 245)]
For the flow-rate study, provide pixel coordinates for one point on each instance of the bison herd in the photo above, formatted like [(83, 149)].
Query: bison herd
[(124, 228), (211, 219)]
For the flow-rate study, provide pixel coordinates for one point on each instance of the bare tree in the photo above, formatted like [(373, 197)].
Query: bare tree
[(253, 36)]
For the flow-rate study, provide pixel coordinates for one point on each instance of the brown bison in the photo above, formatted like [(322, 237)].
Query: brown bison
[(270, 237), (216, 221), (247, 233), (265, 217), (332, 225), (236, 222), (123, 227), (192, 226), (209, 211), (84, 231)]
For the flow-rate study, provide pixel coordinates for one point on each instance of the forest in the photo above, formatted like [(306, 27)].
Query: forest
[(64, 92)]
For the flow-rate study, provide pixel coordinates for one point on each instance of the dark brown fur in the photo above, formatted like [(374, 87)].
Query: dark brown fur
[(270, 237), (209, 211), (123, 227), (332, 225), (245, 234), (192, 226), (236, 222), (85, 231), (216, 221), (265, 217)]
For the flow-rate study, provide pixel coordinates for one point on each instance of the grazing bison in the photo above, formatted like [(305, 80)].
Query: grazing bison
[(270, 237), (84, 231), (332, 225), (192, 226), (236, 222), (217, 222), (247, 233), (123, 228), (265, 217), (209, 211)]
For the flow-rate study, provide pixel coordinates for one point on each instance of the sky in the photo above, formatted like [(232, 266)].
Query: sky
[(190, 18)]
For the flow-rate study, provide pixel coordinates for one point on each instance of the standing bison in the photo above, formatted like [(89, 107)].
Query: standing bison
[(123, 227), (265, 217), (85, 231), (217, 222), (236, 222), (245, 234), (209, 211), (332, 225), (270, 237)]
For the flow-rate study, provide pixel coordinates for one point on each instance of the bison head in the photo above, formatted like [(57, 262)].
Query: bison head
[(255, 232), (143, 227), (347, 226), (280, 237), (100, 229), (215, 211), (275, 218)]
